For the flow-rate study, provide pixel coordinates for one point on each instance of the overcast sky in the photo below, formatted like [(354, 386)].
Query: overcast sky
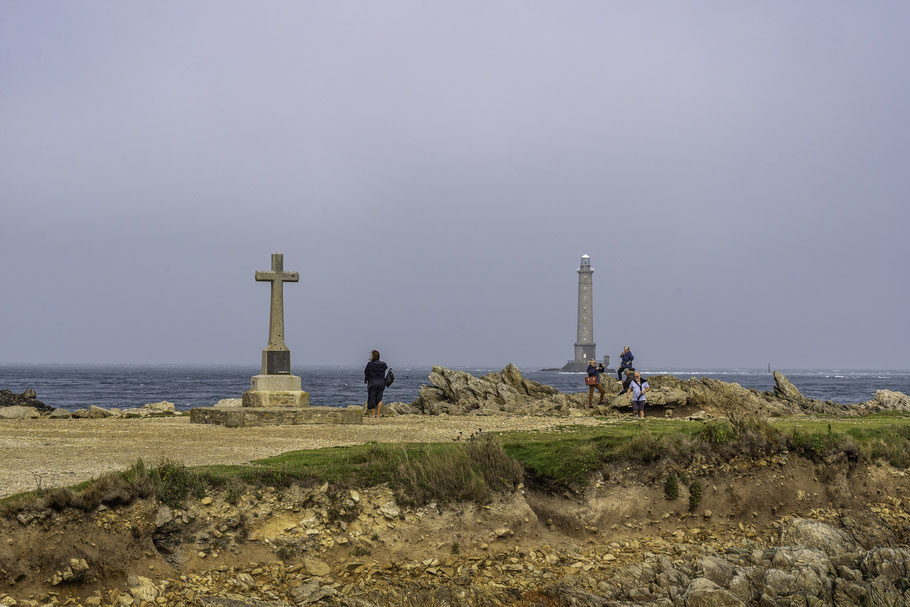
[(738, 172)]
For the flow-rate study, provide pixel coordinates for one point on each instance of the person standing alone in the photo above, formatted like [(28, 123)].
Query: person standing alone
[(639, 386), (374, 378)]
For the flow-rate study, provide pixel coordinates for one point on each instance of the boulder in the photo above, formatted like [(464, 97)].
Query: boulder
[(817, 535), (18, 412), (60, 414), (159, 407), (702, 592), (27, 398), (80, 414), (228, 403), (95, 412)]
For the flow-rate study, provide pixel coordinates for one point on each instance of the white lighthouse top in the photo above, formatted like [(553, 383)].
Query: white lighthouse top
[(586, 256)]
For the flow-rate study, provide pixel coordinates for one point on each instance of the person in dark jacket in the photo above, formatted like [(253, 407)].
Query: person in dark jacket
[(625, 363), (374, 378), (593, 372)]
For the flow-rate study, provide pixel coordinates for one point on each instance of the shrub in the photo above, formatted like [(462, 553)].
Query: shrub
[(695, 492), (671, 487), (717, 432), (643, 447)]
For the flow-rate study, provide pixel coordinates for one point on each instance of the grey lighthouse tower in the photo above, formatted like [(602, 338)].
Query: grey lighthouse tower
[(585, 348)]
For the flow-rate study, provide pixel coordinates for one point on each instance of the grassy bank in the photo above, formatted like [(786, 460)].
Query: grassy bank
[(472, 471)]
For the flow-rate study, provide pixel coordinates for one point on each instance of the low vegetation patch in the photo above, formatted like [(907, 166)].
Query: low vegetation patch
[(476, 469)]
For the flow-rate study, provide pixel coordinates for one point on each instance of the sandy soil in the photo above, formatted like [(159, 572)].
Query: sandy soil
[(49, 453)]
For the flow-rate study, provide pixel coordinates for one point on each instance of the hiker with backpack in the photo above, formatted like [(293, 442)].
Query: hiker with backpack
[(376, 379)]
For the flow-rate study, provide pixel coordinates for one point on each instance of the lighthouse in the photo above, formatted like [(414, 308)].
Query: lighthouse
[(585, 348)]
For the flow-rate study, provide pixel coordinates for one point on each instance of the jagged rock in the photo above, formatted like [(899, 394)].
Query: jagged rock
[(817, 535), (95, 412), (18, 412), (716, 569), (890, 563), (703, 592), (27, 398), (459, 393), (159, 407), (784, 388), (890, 400)]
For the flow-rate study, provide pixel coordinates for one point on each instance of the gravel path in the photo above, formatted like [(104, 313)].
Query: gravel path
[(49, 453)]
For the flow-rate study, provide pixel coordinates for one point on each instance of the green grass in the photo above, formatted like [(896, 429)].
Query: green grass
[(473, 471)]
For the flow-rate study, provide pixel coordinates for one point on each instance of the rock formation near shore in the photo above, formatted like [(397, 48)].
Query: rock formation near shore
[(28, 398), (460, 393)]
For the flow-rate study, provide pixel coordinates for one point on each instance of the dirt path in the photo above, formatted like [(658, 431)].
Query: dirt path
[(49, 453)]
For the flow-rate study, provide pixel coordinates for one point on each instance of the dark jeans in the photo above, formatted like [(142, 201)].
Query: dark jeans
[(621, 370)]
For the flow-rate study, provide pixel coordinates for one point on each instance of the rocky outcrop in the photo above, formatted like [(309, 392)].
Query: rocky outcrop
[(28, 398), (459, 393)]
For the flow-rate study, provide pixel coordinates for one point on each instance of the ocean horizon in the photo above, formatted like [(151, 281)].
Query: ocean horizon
[(75, 386)]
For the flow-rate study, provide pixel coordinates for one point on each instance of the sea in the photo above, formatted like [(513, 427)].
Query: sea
[(78, 386)]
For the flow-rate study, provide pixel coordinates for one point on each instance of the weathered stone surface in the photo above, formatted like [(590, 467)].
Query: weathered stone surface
[(317, 567), (159, 407), (236, 417), (18, 412), (703, 592), (459, 393), (890, 400), (28, 398), (784, 388), (228, 403), (80, 413), (95, 412), (818, 535), (60, 414), (273, 398)]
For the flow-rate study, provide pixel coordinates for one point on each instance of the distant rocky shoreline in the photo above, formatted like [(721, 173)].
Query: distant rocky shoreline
[(507, 392)]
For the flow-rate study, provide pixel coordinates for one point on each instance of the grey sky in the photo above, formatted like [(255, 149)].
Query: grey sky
[(738, 173)]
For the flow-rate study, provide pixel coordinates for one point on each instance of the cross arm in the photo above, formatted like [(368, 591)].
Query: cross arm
[(268, 276)]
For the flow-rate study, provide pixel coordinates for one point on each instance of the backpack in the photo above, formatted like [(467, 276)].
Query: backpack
[(389, 378)]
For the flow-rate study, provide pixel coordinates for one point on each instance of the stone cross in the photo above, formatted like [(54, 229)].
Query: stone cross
[(276, 358)]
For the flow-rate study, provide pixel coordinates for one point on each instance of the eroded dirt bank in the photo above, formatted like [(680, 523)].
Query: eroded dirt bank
[(773, 531)]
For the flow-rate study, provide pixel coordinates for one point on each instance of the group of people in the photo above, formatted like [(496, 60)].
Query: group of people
[(631, 380)]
